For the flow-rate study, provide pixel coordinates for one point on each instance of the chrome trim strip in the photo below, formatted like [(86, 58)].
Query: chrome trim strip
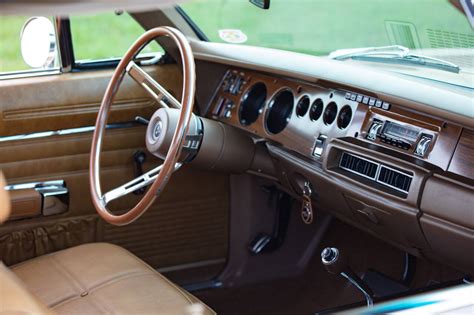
[(63, 132), (29, 73), (211, 284), (35, 185)]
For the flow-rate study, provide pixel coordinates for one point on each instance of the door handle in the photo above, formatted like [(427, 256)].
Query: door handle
[(54, 197)]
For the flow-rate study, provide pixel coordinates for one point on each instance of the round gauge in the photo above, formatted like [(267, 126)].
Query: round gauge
[(344, 117), (302, 106), (316, 109), (330, 113), (252, 103), (279, 111)]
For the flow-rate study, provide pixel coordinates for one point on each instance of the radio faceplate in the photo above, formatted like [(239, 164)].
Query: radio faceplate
[(408, 137)]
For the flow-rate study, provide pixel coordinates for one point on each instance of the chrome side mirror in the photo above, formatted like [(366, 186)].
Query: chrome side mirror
[(38, 42)]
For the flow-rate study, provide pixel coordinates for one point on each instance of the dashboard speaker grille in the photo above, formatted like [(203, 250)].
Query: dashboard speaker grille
[(394, 179), (359, 165)]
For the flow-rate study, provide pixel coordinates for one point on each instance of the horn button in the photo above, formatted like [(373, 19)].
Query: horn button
[(161, 129)]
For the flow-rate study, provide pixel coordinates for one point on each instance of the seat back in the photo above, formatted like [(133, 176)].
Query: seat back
[(14, 297)]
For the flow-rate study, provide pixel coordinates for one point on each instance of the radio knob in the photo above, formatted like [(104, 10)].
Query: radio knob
[(423, 145), (374, 130)]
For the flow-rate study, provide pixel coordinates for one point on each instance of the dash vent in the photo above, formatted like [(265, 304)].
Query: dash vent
[(358, 165), (394, 179), (379, 173)]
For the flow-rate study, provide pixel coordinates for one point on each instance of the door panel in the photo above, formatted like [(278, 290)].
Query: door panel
[(72, 100), (188, 225)]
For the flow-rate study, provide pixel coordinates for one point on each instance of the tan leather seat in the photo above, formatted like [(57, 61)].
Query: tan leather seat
[(96, 278), (101, 278), (14, 298)]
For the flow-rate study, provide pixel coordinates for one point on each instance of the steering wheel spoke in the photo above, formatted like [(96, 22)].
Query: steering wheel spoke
[(135, 184), (153, 88)]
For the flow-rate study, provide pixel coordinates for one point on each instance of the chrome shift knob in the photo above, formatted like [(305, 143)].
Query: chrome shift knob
[(335, 263), (333, 260), (329, 255)]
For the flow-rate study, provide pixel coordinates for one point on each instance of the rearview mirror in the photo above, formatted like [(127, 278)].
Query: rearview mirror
[(262, 4), (38, 42), (468, 6)]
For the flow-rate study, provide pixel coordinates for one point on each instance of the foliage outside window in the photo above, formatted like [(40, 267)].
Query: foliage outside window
[(105, 36)]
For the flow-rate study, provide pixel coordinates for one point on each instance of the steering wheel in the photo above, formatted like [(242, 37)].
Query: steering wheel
[(183, 113)]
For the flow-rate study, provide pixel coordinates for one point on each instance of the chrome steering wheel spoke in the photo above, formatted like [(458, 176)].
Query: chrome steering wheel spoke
[(153, 88), (135, 184)]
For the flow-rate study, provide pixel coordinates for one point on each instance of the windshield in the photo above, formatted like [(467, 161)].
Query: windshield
[(433, 28)]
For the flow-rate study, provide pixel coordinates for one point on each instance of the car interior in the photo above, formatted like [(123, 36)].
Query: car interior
[(219, 177)]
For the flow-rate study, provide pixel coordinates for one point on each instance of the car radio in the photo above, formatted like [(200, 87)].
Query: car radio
[(400, 135)]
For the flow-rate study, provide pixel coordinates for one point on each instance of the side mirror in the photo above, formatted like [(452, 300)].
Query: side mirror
[(38, 42), (262, 4)]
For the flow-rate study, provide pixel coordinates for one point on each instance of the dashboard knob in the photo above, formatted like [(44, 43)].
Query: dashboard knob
[(374, 130), (423, 145)]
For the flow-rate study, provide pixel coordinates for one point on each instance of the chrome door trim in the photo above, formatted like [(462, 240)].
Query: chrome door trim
[(63, 132), (36, 185)]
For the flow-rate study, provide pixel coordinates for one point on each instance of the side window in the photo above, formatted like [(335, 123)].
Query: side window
[(106, 36), (12, 59)]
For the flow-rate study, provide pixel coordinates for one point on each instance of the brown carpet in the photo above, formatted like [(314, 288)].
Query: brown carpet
[(315, 289)]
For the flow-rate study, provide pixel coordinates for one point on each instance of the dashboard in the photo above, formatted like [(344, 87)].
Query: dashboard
[(297, 115), (400, 174), (305, 117)]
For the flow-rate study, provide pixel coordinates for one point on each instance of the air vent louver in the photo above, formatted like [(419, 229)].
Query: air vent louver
[(382, 174), (358, 165), (394, 179)]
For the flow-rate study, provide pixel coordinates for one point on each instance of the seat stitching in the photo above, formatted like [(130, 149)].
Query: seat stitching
[(157, 274), (116, 279), (105, 303), (92, 300), (80, 288)]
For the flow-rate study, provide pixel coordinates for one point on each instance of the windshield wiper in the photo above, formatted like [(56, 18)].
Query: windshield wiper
[(393, 54)]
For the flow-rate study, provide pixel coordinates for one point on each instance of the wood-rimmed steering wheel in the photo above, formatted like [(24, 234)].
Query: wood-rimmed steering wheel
[(160, 175)]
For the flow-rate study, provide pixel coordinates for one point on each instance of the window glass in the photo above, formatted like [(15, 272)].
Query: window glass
[(11, 60), (106, 36), (433, 28)]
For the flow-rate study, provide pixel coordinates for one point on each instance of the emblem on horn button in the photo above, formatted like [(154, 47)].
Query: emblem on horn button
[(157, 130)]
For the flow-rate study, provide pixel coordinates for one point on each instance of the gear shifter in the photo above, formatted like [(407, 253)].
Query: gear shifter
[(336, 263)]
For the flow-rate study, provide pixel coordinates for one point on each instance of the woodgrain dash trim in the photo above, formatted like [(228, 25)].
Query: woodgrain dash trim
[(462, 162)]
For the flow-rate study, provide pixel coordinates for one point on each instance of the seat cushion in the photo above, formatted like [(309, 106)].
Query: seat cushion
[(101, 278)]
